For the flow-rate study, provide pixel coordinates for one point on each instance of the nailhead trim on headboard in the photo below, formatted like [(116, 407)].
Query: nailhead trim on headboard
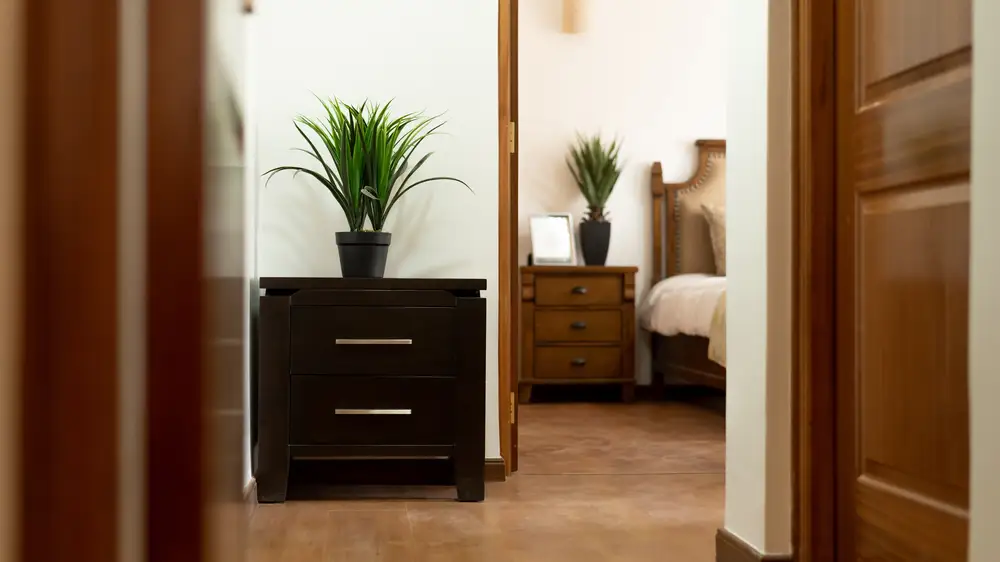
[(709, 166)]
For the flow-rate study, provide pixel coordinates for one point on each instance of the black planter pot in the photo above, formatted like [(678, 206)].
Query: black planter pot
[(595, 237), (363, 254)]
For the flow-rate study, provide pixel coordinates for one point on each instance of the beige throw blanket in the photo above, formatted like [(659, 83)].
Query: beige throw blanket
[(717, 333)]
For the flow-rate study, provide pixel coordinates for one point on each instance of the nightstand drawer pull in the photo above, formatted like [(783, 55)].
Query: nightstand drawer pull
[(356, 412), (578, 290), (578, 362), (578, 325), (349, 341)]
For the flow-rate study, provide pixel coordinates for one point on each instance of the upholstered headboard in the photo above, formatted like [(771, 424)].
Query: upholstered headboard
[(681, 240)]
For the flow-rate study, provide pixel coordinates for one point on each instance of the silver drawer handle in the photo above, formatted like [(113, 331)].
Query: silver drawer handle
[(351, 412), (350, 341)]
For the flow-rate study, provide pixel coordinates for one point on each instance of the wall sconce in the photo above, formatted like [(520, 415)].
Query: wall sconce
[(572, 12)]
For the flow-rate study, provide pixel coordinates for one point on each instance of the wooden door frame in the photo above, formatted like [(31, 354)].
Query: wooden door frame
[(176, 380), (69, 381), (69, 441), (509, 301), (814, 196)]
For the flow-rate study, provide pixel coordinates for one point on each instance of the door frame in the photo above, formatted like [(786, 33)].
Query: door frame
[(813, 316), (176, 389), (508, 365), (68, 497), (70, 381)]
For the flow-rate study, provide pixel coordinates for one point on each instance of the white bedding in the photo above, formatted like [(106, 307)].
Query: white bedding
[(682, 304)]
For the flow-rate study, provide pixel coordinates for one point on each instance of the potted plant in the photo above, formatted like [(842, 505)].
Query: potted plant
[(363, 160), (595, 168)]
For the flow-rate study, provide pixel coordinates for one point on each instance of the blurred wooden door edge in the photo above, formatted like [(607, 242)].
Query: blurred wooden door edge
[(69, 455), (195, 282), (70, 424), (176, 428), (11, 248)]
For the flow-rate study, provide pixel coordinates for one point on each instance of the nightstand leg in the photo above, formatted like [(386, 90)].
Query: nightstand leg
[(471, 489), (470, 455), (659, 387), (628, 393), (272, 478), (272, 399), (470, 414), (524, 394)]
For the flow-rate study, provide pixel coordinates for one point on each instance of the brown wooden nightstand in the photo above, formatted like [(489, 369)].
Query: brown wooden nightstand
[(577, 327)]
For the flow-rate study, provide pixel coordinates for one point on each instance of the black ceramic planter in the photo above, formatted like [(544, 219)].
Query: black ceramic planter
[(595, 237), (363, 254)]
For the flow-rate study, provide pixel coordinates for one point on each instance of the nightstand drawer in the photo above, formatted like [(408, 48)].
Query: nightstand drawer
[(372, 340), (578, 290), (578, 326), (371, 411), (578, 362)]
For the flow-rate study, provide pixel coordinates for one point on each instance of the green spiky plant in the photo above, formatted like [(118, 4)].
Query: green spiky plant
[(596, 169), (364, 157)]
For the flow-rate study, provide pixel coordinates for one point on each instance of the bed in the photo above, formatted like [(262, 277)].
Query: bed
[(685, 309)]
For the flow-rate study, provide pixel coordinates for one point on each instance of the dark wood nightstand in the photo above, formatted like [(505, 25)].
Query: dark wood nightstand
[(371, 369), (578, 327)]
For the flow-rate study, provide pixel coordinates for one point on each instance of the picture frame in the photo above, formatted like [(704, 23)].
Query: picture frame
[(553, 239)]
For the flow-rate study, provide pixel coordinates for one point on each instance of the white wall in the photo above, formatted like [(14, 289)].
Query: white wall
[(433, 55), (984, 297), (233, 177), (653, 73), (11, 12), (758, 199), (251, 232)]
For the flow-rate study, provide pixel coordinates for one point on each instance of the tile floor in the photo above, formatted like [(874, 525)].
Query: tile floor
[(598, 482)]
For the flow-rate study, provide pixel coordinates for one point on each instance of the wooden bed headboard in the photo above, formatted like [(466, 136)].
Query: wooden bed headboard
[(681, 241)]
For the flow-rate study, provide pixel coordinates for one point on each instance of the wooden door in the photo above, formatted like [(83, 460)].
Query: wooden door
[(904, 94), (119, 344), (69, 394), (196, 288)]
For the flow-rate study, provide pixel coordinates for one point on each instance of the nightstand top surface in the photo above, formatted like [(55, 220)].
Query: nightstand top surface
[(577, 269), (385, 284)]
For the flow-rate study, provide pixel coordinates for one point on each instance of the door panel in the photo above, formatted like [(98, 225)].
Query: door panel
[(904, 89), (904, 40)]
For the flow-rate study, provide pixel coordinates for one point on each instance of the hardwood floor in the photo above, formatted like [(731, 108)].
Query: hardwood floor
[(598, 482)]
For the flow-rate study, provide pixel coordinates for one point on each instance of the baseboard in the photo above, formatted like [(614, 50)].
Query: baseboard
[(495, 470), (730, 548), (250, 497)]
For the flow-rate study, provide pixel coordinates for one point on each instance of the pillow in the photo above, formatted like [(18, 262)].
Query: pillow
[(716, 218)]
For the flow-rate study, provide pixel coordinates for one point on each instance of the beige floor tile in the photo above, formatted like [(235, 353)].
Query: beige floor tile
[(647, 484)]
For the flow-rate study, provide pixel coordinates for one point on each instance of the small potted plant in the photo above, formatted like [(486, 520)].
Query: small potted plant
[(363, 160), (596, 169)]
